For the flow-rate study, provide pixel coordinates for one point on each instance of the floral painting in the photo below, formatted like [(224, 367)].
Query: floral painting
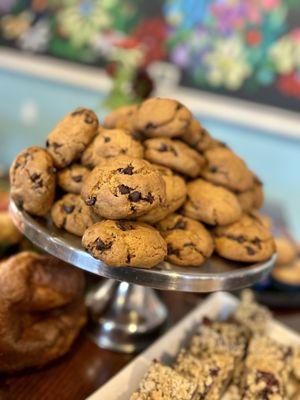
[(244, 48)]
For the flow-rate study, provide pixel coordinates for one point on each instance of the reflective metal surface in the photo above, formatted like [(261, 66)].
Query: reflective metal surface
[(215, 274), (129, 320)]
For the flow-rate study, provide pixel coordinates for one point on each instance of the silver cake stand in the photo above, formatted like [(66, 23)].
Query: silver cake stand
[(126, 309)]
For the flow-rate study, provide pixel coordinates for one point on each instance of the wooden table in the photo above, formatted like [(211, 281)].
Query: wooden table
[(87, 367)]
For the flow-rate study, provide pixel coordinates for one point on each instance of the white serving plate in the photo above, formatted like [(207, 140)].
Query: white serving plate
[(220, 305)]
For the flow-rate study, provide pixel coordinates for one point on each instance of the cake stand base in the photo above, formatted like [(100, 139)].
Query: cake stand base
[(125, 317)]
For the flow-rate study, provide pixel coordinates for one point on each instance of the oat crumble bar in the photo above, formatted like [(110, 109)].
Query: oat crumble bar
[(211, 374), (163, 383)]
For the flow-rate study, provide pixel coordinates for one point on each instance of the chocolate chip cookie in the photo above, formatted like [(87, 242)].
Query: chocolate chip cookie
[(125, 243), (175, 155), (252, 198), (67, 141), (72, 214), (124, 187), (188, 242), (175, 196), (32, 181), (70, 179), (211, 204), (122, 117), (198, 137), (246, 240), (223, 167), (162, 117), (111, 143)]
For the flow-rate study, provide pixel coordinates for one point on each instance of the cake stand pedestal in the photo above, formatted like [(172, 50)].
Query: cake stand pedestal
[(125, 310)]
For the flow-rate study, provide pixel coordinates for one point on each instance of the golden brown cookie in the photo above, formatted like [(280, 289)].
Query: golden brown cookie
[(224, 167), (252, 198), (70, 179), (125, 243), (42, 310), (188, 242), (71, 136), (72, 214), (246, 240), (162, 117), (286, 250), (288, 274), (211, 204), (124, 187), (32, 181), (175, 155), (9, 234), (122, 117), (198, 137), (175, 196), (111, 143)]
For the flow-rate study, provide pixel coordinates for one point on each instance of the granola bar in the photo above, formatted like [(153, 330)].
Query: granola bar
[(211, 374), (253, 316), (261, 385), (163, 383), (219, 338), (264, 354)]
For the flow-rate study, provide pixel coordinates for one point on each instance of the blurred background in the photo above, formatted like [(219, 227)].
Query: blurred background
[(236, 63)]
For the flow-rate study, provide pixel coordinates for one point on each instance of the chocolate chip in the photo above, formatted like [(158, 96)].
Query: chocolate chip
[(124, 226), (135, 196), (150, 125), (34, 177), (180, 224), (179, 106), (128, 259), (37, 180), (126, 171), (88, 119), (172, 251), (149, 198), (250, 251), (123, 189), (213, 169), (172, 150), (56, 145), (91, 201), (68, 209), (257, 242), (77, 178), (101, 246), (163, 147), (132, 208), (214, 372), (240, 239), (47, 143), (106, 139)]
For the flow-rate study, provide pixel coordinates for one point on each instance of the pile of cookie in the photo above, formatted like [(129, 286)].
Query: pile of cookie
[(228, 360), (147, 185)]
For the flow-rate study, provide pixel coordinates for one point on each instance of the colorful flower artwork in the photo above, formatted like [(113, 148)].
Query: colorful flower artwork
[(246, 48)]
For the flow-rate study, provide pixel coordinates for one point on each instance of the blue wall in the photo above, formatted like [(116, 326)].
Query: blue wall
[(31, 106)]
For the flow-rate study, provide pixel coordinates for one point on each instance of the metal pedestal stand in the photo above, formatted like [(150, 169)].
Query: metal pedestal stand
[(128, 313)]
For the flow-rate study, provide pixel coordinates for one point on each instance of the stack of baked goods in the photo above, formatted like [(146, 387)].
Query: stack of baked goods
[(41, 310), (286, 274), (146, 185), (229, 360)]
